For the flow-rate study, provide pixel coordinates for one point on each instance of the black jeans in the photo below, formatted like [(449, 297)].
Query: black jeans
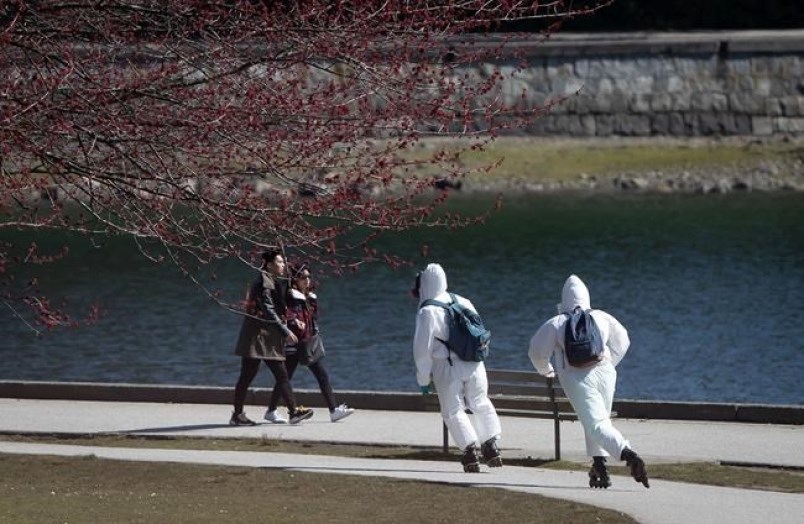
[(320, 373), (248, 370)]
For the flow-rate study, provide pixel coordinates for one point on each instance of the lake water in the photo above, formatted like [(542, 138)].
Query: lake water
[(709, 287)]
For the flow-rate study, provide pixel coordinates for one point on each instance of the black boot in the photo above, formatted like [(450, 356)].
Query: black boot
[(637, 466), (470, 462), (599, 475), (491, 453)]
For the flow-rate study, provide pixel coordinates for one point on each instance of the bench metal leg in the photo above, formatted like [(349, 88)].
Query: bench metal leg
[(556, 419), (557, 432), (446, 437)]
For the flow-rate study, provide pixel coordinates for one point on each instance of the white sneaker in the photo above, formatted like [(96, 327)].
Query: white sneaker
[(340, 412), (275, 418)]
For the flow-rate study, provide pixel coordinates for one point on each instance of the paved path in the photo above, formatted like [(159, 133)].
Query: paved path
[(665, 502)]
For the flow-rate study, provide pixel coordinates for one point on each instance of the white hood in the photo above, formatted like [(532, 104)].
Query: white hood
[(433, 284), (574, 294)]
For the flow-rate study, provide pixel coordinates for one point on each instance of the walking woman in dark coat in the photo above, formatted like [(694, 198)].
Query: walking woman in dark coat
[(302, 319), (262, 339)]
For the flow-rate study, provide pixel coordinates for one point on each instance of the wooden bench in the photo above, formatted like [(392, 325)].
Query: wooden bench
[(527, 394)]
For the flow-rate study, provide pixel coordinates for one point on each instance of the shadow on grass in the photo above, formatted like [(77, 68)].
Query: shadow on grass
[(438, 455)]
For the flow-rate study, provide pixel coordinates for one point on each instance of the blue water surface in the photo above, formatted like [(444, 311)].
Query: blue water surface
[(709, 288)]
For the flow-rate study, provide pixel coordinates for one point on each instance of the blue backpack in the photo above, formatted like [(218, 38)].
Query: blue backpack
[(583, 343), (468, 338)]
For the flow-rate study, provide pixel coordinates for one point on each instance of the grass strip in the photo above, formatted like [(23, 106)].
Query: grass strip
[(715, 474)]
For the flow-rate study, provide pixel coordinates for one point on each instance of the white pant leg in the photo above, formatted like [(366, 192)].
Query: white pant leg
[(476, 392), (591, 391), (450, 388)]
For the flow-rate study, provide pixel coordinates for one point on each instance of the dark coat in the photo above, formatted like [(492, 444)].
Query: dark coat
[(263, 337)]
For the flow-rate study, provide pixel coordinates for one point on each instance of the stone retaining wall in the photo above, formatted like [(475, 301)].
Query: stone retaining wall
[(671, 84), (379, 400)]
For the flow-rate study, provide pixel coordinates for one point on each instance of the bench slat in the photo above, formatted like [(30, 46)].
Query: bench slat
[(535, 414), (512, 375), (530, 404), (519, 389)]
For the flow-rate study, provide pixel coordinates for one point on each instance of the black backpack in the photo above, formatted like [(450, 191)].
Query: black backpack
[(468, 338), (583, 343)]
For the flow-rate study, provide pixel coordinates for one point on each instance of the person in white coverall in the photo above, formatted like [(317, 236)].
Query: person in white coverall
[(455, 380), (589, 389)]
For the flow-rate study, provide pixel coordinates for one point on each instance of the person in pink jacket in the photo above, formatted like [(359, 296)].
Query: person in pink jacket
[(590, 389)]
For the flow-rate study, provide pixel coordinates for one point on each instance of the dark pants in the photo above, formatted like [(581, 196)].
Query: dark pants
[(248, 370), (320, 373)]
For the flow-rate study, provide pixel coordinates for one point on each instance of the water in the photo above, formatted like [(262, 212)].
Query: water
[(708, 287)]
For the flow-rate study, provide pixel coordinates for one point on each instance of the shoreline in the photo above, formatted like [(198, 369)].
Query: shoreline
[(533, 165), (780, 171)]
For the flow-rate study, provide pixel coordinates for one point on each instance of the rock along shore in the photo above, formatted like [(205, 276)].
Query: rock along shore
[(778, 173)]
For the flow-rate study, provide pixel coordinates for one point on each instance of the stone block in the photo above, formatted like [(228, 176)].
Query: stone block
[(566, 85), (582, 68), (570, 125), (643, 85), (632, 125), (661, 102), (601, 104), (746, 103), (680, 102), (761, 126), (605, 86), (773, 107), (738, 66), (685, 65), (720, 102), (660, 124), (792, 105), (692, 123), (702, 102), (640, 103), (513, 91), (588, 125), (604, 125), (584, 104), (537, 127), (724, 124), (762, 87), (619, 102), (678, 126), (793, 125), (743, 125), (559, 66)]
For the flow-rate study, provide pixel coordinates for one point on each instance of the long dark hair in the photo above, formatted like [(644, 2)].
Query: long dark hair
[(295, 272)]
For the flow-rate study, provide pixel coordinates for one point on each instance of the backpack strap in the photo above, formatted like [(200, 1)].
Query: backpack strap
[(577, 308), (433, 302)]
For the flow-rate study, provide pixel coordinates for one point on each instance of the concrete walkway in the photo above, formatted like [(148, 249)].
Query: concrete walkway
[(665, 502)]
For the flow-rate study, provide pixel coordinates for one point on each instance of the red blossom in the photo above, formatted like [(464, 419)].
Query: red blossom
[(213, 130)]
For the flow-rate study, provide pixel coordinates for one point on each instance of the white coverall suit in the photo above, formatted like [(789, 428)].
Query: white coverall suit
[(457, 381), (591, 389)]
